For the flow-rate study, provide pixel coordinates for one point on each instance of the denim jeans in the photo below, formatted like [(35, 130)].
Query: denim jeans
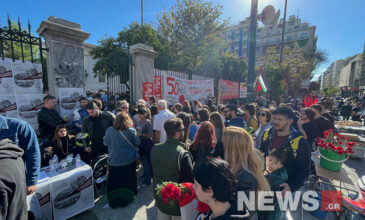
[(146, 161)]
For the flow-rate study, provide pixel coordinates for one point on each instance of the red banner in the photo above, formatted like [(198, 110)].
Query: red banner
[(228, 90), (157, 87), (147, 90)]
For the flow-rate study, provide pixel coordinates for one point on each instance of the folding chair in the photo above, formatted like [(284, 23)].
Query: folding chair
[(100, 172)]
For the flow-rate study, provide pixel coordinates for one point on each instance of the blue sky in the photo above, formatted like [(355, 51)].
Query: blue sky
[(340, 23)]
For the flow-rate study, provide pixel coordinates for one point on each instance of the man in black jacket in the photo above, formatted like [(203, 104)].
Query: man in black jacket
[(12, 182), (49, 118), (286, 139), (95, 124)]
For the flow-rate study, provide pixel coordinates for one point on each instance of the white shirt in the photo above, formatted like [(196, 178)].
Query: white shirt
[(159, 121)]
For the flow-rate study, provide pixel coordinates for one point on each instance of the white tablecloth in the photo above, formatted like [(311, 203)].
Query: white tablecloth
[(67, 192)]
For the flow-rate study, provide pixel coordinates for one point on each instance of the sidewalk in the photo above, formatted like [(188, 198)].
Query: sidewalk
[(142, 208)]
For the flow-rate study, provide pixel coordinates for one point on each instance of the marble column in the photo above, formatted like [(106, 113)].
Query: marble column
[(65, 55), (143, 64)]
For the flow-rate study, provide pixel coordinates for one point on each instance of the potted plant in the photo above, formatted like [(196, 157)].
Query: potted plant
[(334, 149)]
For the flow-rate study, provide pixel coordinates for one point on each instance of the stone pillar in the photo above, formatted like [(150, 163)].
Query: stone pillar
[(65, 55), (143, 65)]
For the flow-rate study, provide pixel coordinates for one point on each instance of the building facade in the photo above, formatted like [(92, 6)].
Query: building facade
[(93, 83), (362, 75), (296, 31)]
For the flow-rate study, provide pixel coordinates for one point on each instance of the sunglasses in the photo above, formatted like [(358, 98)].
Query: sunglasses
[(225, 111), (262, 114), (124, 107)]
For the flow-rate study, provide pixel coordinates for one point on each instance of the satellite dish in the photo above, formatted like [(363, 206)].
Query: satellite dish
[(268, 15), (275, 22)]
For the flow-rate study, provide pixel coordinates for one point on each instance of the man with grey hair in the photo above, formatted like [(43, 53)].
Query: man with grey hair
[(159, 120)]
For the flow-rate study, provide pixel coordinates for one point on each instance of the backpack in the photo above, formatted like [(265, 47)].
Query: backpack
[(294, 144), (179, 158)]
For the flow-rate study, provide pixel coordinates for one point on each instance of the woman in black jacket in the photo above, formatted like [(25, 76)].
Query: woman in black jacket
[(61, 145)]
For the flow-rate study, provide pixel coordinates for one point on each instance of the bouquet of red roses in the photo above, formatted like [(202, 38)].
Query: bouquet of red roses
[(335, 142), (179, 193)]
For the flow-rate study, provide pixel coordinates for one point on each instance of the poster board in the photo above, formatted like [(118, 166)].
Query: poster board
[(228, 90), (157, 87), (28, 106), (6, 78), (69, 101), (177, 89), (72, 193), (27, 78), (8, 106), (243, 90), (147, 90)]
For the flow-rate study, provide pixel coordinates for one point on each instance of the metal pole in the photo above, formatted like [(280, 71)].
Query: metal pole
[(142, 12), (252, 49), (282, 35)]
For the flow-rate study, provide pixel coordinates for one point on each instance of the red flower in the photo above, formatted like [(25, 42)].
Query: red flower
[(188, 195), (203, 208), (164, 195), (325, 134), (340, 142), (170, 191)]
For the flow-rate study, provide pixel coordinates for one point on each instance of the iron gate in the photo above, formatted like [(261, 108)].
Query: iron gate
[(12, 38)]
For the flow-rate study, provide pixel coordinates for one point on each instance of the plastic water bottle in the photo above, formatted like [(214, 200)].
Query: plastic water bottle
[(78, 159), (55, 159), (52, 165), (69, 159)]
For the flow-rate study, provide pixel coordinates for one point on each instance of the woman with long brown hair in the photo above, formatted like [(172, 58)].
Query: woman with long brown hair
[(61, 145), (186, 107), (205, 143), (218, 123), (246, 162)]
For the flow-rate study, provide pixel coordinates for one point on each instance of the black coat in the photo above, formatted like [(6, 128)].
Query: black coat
[(48, 121), (12, 182)]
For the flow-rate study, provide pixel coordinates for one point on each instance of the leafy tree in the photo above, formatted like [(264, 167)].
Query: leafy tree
[(297, 65), (232, 68), (190, 31), (112, 53), (330, 91)]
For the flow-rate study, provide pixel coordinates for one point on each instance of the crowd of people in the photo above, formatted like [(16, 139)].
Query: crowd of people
[(222, 149)]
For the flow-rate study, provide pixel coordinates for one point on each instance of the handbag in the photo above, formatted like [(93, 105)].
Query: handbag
[(125, 138)]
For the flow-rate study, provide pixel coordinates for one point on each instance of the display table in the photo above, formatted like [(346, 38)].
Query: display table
[(63, 193)]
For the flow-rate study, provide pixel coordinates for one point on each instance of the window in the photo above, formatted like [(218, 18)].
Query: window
[(296, 27), (289, 38), (101, 78), (291, 23)]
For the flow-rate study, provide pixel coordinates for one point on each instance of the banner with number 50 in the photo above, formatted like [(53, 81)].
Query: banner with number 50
[(177, 89)]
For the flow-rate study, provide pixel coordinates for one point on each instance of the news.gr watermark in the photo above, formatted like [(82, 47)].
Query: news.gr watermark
[(311, 200)]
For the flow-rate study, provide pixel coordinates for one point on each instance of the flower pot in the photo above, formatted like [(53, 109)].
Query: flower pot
[(331, 160)]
